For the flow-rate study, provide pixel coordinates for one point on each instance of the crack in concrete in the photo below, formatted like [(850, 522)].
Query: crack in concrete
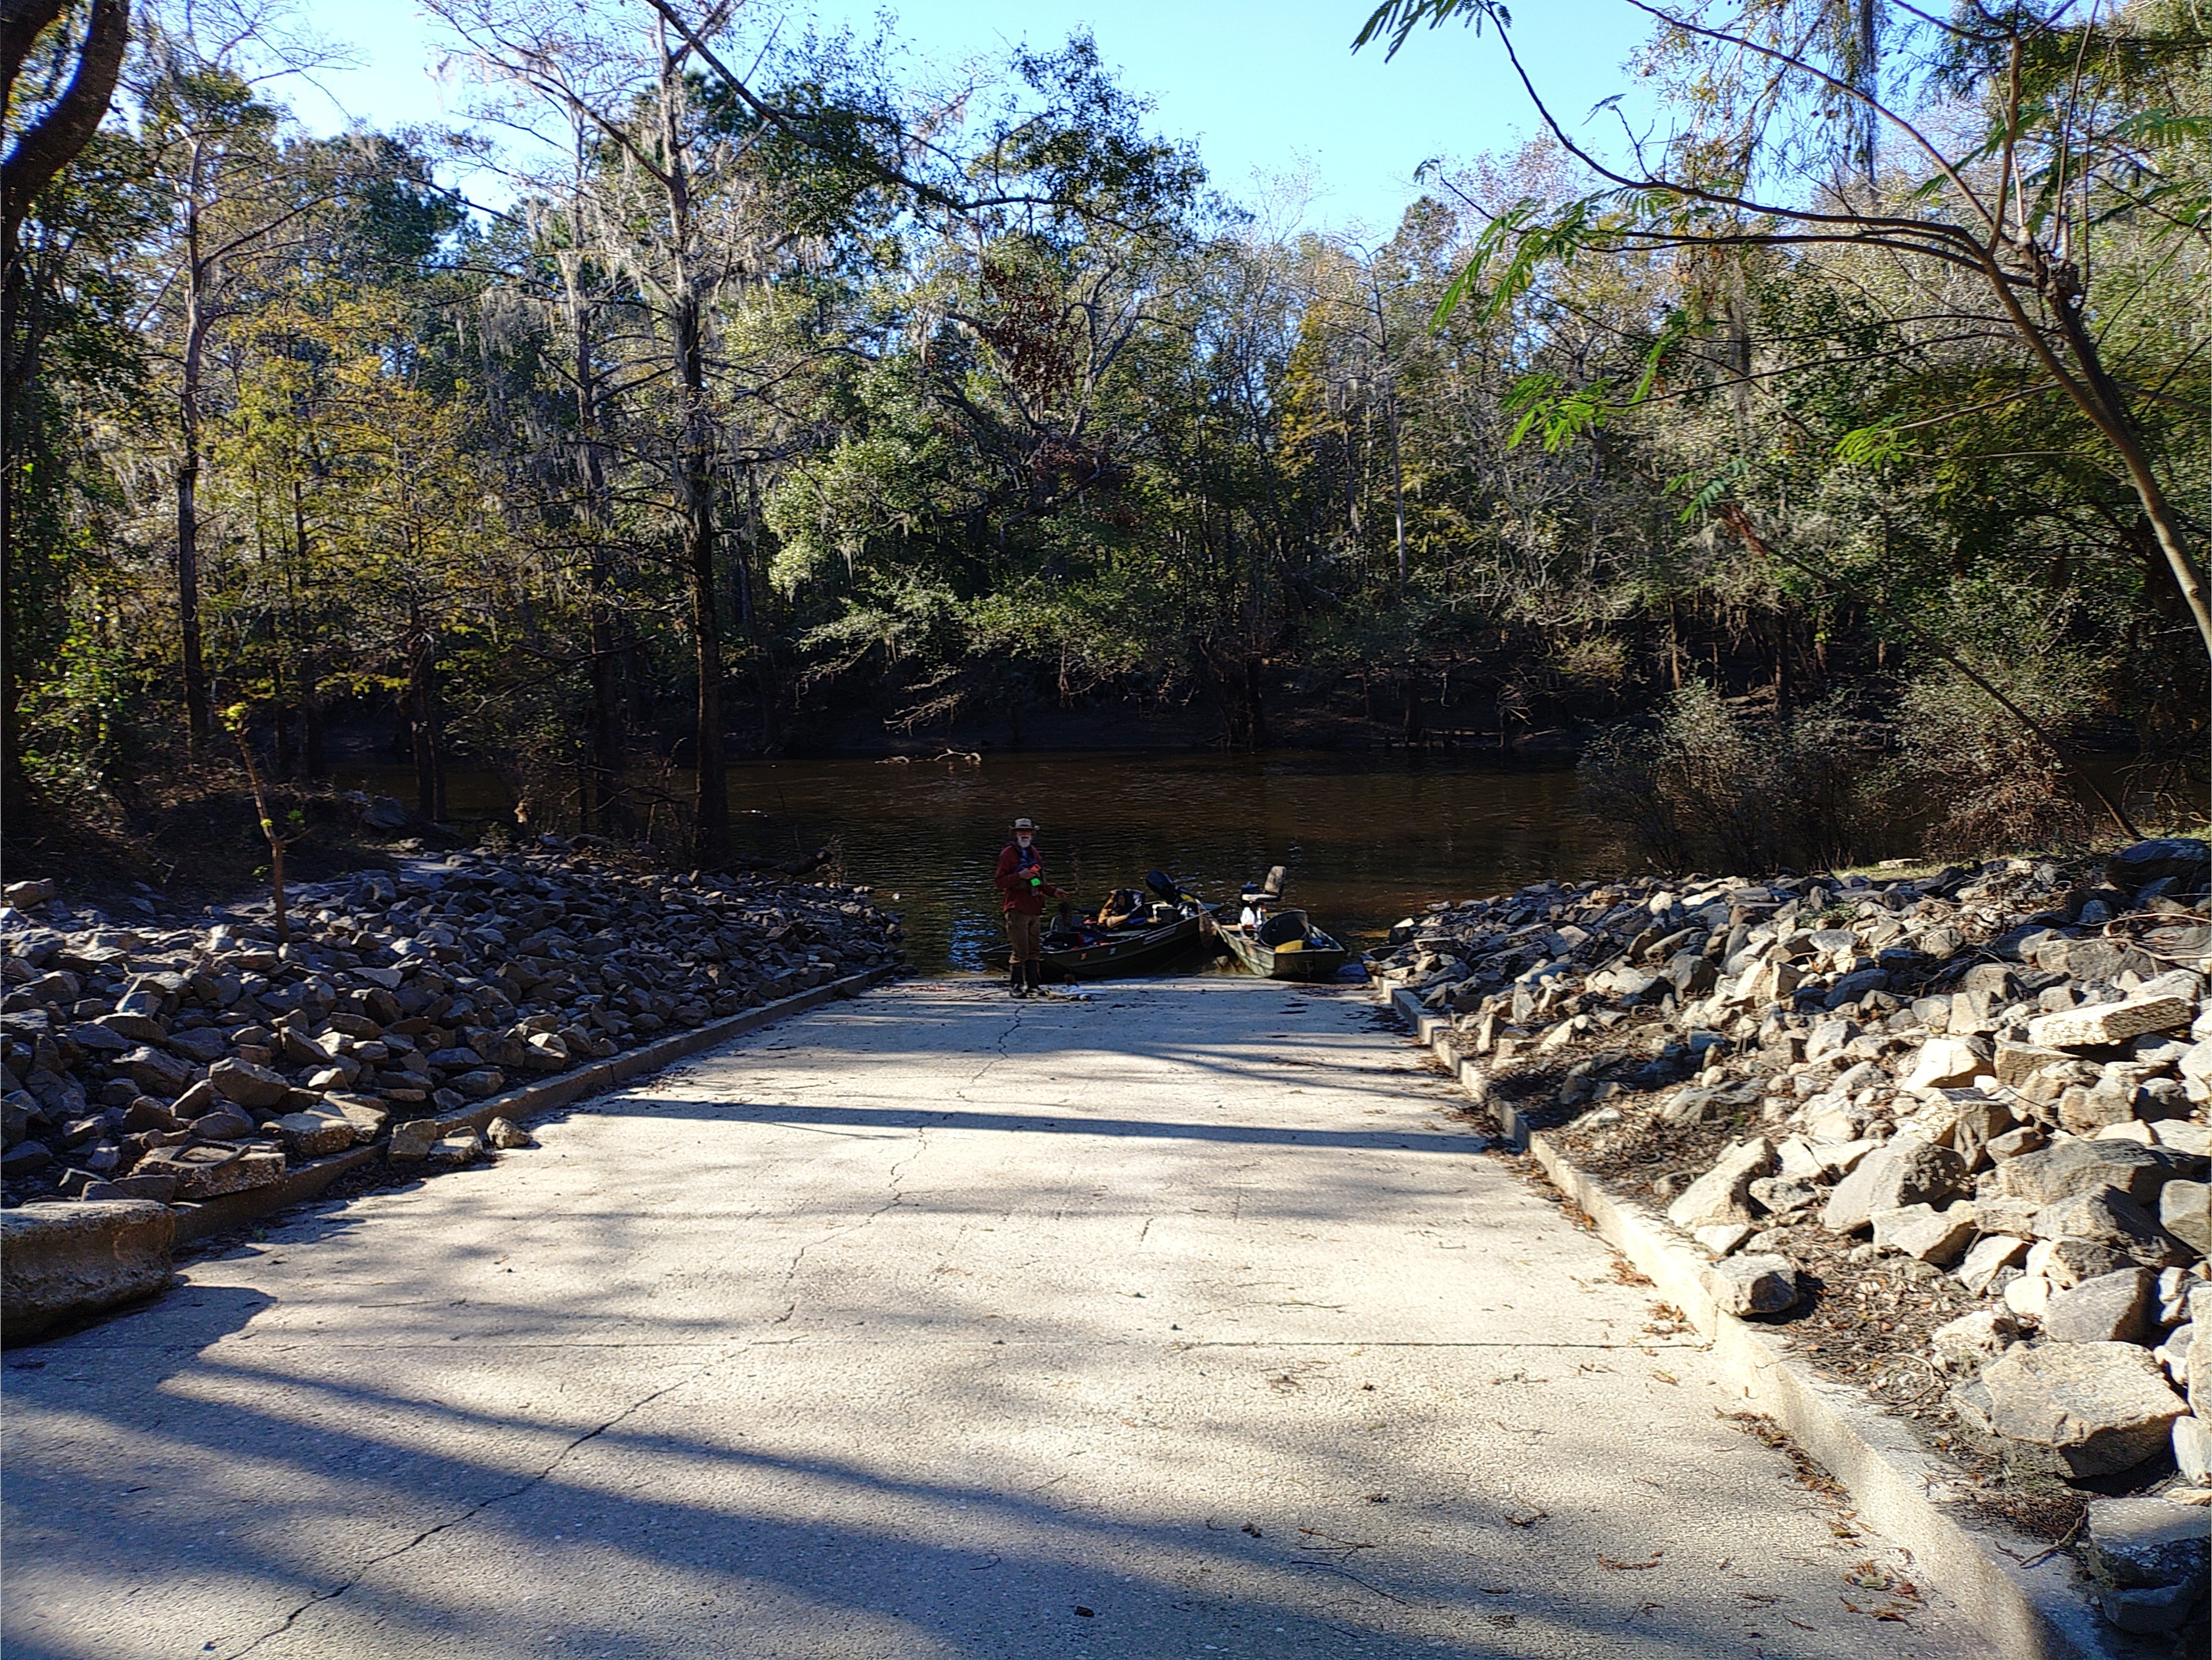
[(1013, 1026), (898, 1168), (481, 1505)]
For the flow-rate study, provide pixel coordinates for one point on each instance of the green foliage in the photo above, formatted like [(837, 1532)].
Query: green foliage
[(1002, 409)]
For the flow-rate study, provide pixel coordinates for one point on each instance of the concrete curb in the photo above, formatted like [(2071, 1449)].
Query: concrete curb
[(2038, 1612), (1435, 1030), (530, 1101)]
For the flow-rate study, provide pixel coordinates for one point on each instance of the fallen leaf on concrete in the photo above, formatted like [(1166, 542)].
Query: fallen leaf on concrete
[(1628, 1567), (1252, 1527), (1525, 1517), (1888, 1611), (1867, 1576)]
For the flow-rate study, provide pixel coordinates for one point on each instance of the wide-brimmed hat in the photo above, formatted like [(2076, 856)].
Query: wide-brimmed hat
[(1024, 823)]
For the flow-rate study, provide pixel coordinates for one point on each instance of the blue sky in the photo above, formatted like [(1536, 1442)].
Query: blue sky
[(1266, 90)]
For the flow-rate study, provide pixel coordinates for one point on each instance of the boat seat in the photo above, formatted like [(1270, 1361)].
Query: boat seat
[(1283, 928)]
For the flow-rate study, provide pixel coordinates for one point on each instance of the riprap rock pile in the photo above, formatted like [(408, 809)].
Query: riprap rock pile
[(180, 1064), (1992, 1079)]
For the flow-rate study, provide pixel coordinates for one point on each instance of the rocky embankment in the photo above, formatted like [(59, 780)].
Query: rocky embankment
[(1947, 1131), (179, 1065)]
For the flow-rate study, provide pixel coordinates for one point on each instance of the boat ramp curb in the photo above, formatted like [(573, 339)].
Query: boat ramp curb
[(309, 1181), (530, 1101), (1435, 1030), (2029, 1602)]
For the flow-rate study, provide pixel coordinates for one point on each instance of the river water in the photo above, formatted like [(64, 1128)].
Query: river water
[(1366, 837)]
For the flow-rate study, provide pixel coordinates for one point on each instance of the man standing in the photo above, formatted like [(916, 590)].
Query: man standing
[(1022, 884)]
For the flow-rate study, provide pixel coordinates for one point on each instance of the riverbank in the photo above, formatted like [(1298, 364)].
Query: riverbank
[(1945, 1135)]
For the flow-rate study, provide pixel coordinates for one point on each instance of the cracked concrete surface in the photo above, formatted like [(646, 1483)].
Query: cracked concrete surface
[(1185, 1320)]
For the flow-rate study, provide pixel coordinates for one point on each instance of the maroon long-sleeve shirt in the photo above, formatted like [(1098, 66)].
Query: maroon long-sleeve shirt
[(1017, 865)]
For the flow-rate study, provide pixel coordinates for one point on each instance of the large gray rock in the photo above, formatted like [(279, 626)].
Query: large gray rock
[(2113, 1308), (2109, 1218), (108, 1039), (204, 1171), (315, 1134), (2097, 1025), (2082, 1409), (224, 1124), (1907, 1171), (1990, 1256), (1723, 1193), (157, 1071), (2196, 1070), (2067, 1262), (2184, 1210), (2015, 1063), (456, 1147), (1783, 1195), (2153, 1610), (1753, 1284), (366, 1114), (203, 1045), (2179, 856), (2054, 1172), (411, 1142), (1922, 1232), (2192, 1450), (1947, 1062), (545, 1051), (63, 1262), (1972, 1340), (2148, 1542), (248, 1084)]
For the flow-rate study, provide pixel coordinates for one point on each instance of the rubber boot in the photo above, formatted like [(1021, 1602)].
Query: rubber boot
[(1036, 978), (1021, 984)]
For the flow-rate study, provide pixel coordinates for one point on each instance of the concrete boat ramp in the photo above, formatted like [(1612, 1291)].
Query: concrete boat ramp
[(1187, 1319)]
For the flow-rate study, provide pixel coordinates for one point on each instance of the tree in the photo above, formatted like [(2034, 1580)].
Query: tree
[(239, 194), (2056, 150), (65, 117)]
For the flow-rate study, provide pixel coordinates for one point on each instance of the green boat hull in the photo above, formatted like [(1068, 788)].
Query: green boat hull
[(1320, 959), (1147, 951)]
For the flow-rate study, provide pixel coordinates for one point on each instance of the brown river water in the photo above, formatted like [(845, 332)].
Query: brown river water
[(1366, 837)]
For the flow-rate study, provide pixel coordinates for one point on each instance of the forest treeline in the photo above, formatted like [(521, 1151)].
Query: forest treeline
[(782, 383)]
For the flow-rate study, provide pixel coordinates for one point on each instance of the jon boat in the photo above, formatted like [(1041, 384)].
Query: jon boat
[(1086, 953), (1286, 946)]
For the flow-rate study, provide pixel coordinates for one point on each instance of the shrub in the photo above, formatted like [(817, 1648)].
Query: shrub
[(2001, 787), (1704, 785)]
